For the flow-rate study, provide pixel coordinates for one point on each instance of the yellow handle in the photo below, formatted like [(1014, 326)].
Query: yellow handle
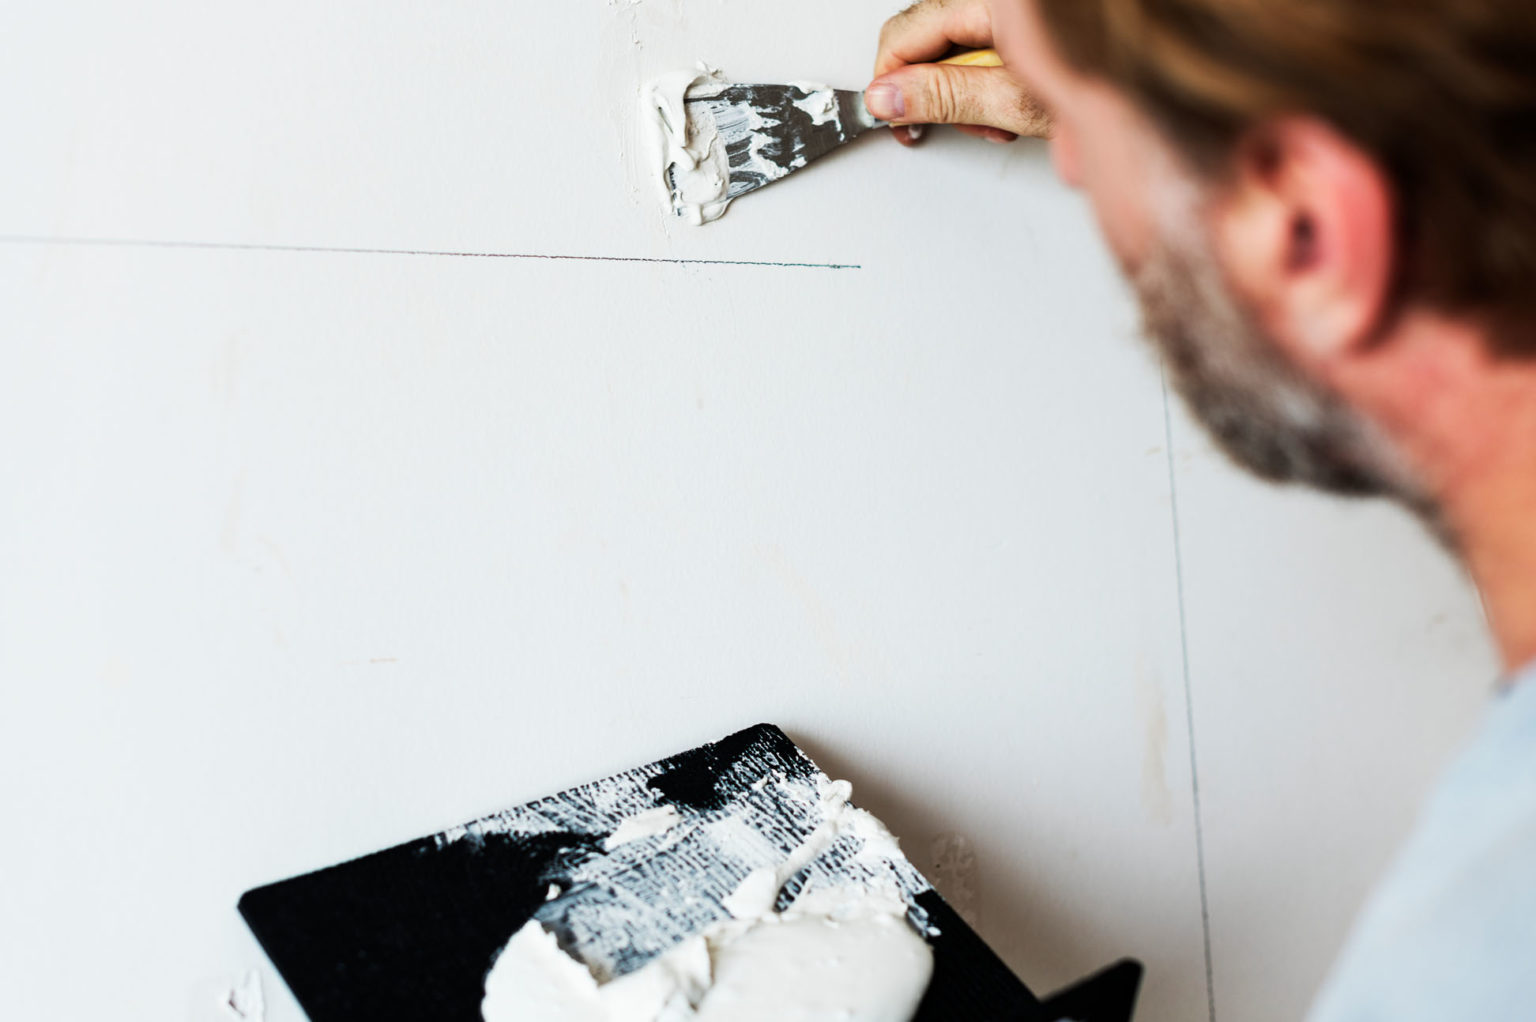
[(976, 58)]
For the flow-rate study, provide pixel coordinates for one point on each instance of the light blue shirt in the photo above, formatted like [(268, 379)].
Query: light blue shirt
[(1450, 933)]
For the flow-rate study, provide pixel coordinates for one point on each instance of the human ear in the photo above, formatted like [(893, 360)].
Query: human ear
[(1304, 229)]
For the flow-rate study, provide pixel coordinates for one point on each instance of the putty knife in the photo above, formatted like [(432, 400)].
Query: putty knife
[(771, 131)]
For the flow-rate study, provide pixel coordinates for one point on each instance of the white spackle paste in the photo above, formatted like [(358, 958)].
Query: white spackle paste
[(851, 958), (837, 955), (534, 980), (755, 896), (692, 166), (643, 825), (655, 936), (820, 102), (623, 908)]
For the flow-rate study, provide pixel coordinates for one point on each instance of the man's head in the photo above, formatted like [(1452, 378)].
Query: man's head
[(1294, 188)]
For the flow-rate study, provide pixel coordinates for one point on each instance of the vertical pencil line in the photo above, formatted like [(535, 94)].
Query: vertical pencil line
[(1189, 702)]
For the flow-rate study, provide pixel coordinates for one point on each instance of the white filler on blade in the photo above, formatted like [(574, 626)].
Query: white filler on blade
[(715, 140)]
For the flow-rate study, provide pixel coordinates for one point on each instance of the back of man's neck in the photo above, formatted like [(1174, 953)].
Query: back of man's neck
[(1489, 502), (1465, 421), (1498, 544)]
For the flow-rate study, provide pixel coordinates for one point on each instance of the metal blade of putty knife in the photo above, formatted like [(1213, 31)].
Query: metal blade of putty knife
[(771, 131)]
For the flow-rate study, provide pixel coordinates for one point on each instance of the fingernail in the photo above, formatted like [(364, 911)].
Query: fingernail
[(885, 101)]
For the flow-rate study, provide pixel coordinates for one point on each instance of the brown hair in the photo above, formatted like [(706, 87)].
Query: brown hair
[(1442, 93)]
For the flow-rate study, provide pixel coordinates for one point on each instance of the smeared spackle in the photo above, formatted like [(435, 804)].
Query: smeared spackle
[(694, 169), (838, 954), (701, 778), (645, 824), (716, 141), (750, 802)]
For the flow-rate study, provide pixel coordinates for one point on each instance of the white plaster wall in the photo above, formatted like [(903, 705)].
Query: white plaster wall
[(303, 554)]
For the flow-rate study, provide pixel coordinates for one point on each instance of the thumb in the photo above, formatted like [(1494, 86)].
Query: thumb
[(952, 94)]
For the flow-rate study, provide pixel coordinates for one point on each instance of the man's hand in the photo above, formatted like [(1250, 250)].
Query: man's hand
[(910, 91)]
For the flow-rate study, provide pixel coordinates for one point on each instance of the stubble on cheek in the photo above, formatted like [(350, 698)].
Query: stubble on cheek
[(1261, 408)]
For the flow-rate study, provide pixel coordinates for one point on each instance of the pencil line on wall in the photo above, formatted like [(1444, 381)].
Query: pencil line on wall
[(235, 246), (1189, 703)]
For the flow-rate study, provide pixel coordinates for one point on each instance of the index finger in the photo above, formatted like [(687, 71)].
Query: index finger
[(928, 30)]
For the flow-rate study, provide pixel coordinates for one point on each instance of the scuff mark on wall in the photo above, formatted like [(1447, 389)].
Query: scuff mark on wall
[(954, 874), (823, 624), (1152, 712), (229, 532)]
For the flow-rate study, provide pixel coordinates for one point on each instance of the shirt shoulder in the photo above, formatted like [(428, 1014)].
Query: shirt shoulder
[(1450, 932)]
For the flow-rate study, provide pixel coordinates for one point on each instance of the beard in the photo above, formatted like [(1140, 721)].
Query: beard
[(1262, 410)]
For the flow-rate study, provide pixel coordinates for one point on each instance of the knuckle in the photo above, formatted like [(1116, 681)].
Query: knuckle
[(1033, 119), (944, 96)]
